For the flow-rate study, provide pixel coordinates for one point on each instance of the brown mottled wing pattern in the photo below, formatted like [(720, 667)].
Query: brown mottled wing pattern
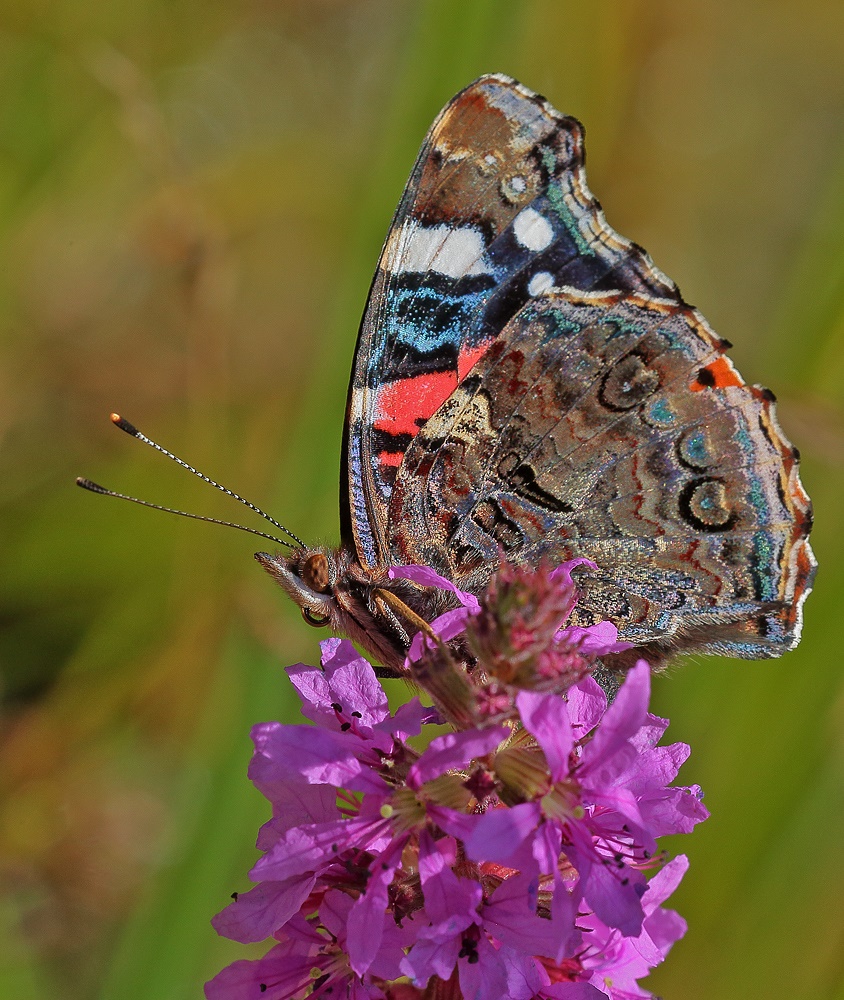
[(613, 427)]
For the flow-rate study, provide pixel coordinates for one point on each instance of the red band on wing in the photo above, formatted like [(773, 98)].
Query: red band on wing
[(405, 405)]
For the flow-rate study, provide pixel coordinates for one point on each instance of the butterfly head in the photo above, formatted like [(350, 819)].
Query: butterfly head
[(308, 576), (379, 613)]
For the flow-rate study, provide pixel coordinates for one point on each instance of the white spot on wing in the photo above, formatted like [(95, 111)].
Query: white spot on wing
[(453, 252), (540, 283), (518, 184), (533, 230)]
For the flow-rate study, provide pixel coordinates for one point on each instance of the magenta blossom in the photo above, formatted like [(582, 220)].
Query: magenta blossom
[(313, 960), (509, 857), (376, 815), (604, 802), (491, 940), (611, 963)]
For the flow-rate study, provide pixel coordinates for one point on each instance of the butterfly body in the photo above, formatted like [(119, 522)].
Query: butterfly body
[(528, 385), (356, 601)]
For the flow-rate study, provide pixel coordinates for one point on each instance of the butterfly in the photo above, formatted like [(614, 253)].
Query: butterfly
[(527, 385)]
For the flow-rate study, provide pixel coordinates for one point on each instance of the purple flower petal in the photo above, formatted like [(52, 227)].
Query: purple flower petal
[(665, 927), (587, 704), (346, 680), (546, 847), (619, 800), (337, 653), (593, 640), (454, 750), (455, 824), (334, 913), (655, 767), (394, 943), (525, 976), (615, 894), (547, 717), (295, 802), (447, 626), (486, 979), (665, 882), (317, 755), (562, 574), (259, 913), (284, 970), (499, 833), (573, 991), (297, 853), (431, 958), (312, 687), (365, 928), (509, 918), (623, 718), (307, 849), (359, 693), (564, 910), (407, 721), (451, 903), (673, 810), (426, 577), (651, 733)]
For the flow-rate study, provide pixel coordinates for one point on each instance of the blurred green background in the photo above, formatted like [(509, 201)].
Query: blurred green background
[(192, 201)]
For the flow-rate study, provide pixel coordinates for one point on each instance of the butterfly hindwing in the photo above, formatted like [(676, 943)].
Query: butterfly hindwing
[(591, 428)]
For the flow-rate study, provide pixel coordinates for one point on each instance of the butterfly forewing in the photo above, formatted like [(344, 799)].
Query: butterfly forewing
[(496, 207)]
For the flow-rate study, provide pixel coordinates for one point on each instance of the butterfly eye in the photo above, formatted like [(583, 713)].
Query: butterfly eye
[(318, 621), (315, 573)]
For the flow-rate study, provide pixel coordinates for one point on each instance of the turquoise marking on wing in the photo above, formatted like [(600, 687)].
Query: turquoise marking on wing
[(557, 200), (660, 413)]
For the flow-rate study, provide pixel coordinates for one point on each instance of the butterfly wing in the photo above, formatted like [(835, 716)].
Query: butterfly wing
[(496, 207), (613, 427), (526, 380)]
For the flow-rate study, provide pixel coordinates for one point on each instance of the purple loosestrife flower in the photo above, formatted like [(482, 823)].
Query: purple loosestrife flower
[(491, 938), (385, 793), (600, 800), (610, 962), (507, 858), (313, 961)]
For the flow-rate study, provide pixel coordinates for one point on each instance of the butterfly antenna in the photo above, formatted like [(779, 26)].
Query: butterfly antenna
[(87, 484), (124, 425)]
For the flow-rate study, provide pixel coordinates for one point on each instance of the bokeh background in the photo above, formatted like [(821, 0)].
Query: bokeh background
[(192, 200)]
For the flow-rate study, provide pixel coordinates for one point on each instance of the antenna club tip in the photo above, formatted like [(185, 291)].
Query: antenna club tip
[(124, 424), (87, 484)]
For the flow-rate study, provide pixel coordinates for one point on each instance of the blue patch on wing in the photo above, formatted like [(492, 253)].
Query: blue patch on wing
[(429, 323)]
